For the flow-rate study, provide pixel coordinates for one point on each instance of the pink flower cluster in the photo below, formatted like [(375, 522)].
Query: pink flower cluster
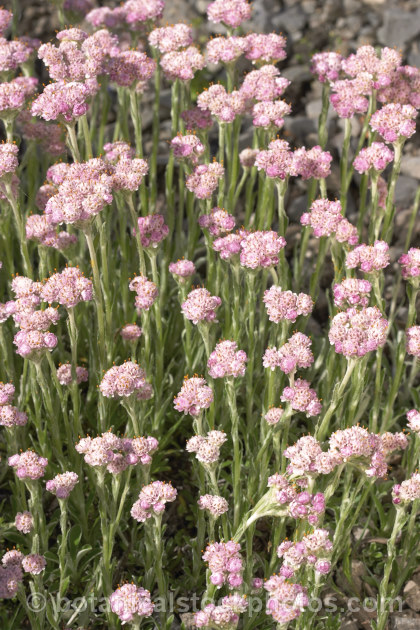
[(40, 228), (62, 101), (204, 179), (10, 416), (270, 114), (152, 230), (286, 601), (128, 67), (355, 332), (407, 491), (226, 360), (394, 121), (286, 305), (128, 174), (413, 341), (302, 398), (404, 87), (34, 564), (67, 288), (116, 453), (197, 118), (131, 332), (13, 96), (413, 417), (200, 306), (349, 95), (327, 66), (376, 157), (218, 222), (146, 292), (313, 550), (214, 504), (369, 258), (123, 381), (352, 292), (379, 67), (187, 147), (326, 219), (182, 270), (247, 157), (312, 163), (152, 500), (131, 603), (28, 465), (8, 159), (224, 615), (265, 47), (294, 354), (24, 522), (230, 12), (299, 504), (224, 106), (225, 49), (225, 563), (182, 64), (194, 396), (207, 448), (260, 249), (31, 344), (277, 160), (410, 264), (10, 574), (62, 484), (64, 374), (170, 38), (264, 84), (274, 415)]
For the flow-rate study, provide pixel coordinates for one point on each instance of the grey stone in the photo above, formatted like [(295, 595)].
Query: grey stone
[(300, 126), (410, 165), (291, 20), (297, 74), (412, 595), (399, 27), (404, 623), (314, 107), (404, 193), (297, 207)]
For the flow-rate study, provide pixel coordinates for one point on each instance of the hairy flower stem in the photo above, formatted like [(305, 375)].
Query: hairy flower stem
[(389, 206), (158, 565), (97, 298), (323, 426), (140, 251), (234, 162), (49, 407), (250, 283), (39, 541), (344, 183), (322, 252), (62, 549), (237, 451), (322, 121), (106, 573), (72, 142), (74, 388), (159, 348), (169, 176), (155, 133), (137, 124), (384, 592), (20, 229), (86, 136)]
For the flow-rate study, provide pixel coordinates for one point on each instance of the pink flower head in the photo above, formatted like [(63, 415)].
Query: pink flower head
[(230, 12), (404, 87), (182, 269), (8, 159), (413, 417), (137, 12), (170, 38), (114, 151), (266, 48), (31, 344), (225, 563), (327, 66), (131, 603), (376, 157), (302, 398), (413, 341), (270, 114), (312, 163), (324, 217), (260, 249), (274, 415), (187, 147), (65, 378), (152, 500), (356, 332), (152, 230), (206, 448), (197, 118), (223, 105), (62, 484), (28, 465), (226, 49), (277, 160), (11, 417), (264, 84), (204, 179), (226, 360), (146, 292), (347, 233), (407, 491), (129, 67), (122, 381), (410, 264), (214, 504), (247, 157), (34, 564), (286, 599), (296, 353), (369, 258), (194, 396), (7, 392), (313, 550), (380, 67), (67, 288), (228, 246), (303, 456), (182, 64), (394, 121), (200, 305), (5, 19), (218, 222), (115, 453), (61, 101), (24, 522), (285, 305), (131, 332), (352, 292), (349, 96)]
